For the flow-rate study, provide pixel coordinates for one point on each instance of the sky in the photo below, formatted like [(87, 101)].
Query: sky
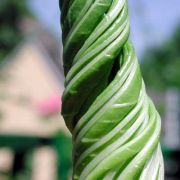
[(152, 22)]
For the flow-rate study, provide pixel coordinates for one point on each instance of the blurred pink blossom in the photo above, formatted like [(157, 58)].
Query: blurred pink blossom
[(49, 106)]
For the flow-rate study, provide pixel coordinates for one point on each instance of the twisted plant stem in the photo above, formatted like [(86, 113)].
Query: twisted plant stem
[(114, 124)]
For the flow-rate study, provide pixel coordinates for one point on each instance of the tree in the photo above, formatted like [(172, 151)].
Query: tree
[(161, 65), (11, 11)]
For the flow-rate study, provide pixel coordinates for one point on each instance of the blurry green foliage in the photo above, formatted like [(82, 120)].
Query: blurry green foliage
[(63, 146), (24, 146), (161, 66), (11, 11)]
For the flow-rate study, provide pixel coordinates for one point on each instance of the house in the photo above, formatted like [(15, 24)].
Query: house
[(31, 86)]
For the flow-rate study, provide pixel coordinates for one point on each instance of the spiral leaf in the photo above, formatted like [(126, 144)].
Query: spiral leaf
[(114, 124)]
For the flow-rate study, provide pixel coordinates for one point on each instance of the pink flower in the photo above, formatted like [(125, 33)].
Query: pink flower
[(49, 106)]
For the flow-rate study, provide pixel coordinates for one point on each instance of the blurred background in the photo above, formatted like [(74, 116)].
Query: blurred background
[(34, 142)]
